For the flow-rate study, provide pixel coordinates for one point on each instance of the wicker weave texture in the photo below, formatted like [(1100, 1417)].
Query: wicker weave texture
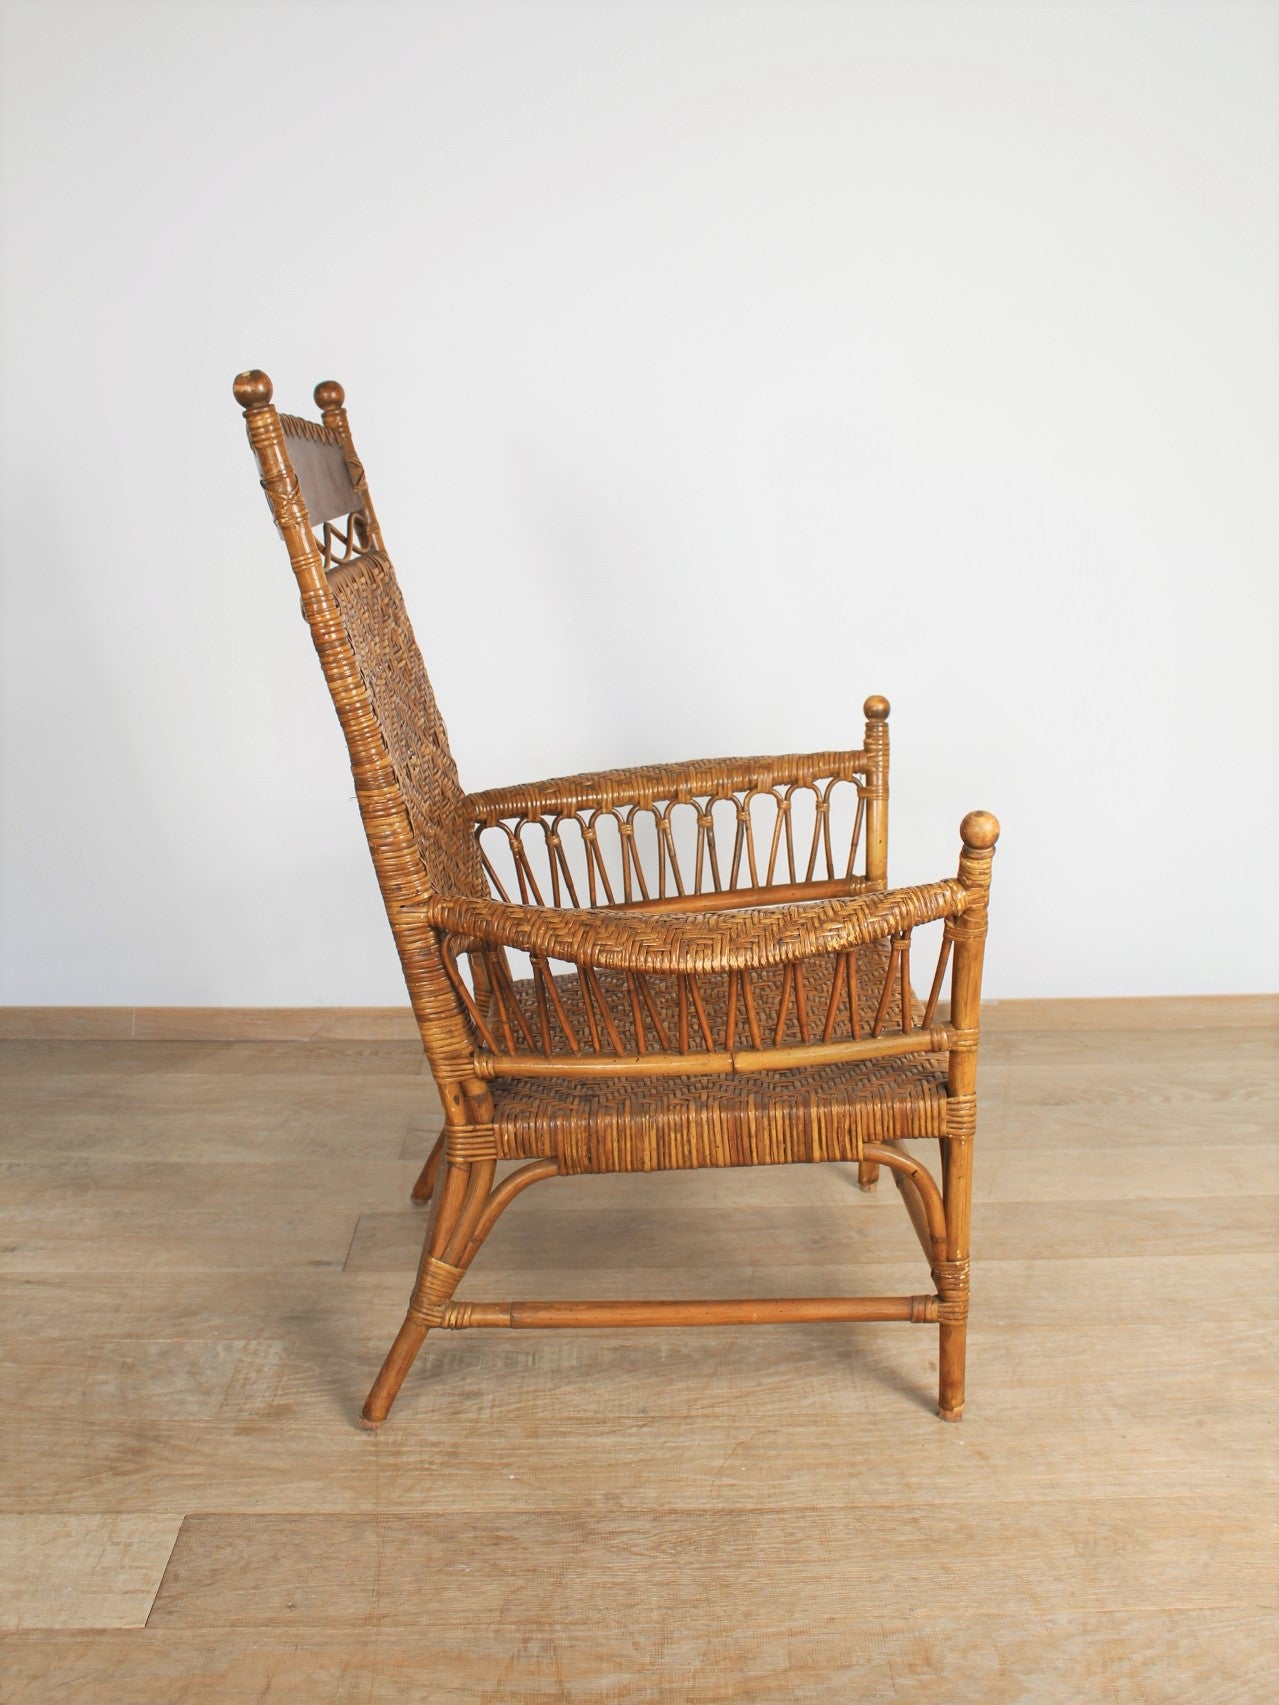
[(636, 1124), (402, 700)]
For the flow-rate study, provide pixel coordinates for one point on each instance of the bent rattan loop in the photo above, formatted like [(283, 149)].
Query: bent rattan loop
[(681, 965)]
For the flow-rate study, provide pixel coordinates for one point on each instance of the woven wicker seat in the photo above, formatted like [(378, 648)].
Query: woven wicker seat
[(647, 1124), (687, 965)]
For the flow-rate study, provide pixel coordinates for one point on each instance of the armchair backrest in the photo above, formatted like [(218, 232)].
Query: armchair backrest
[(350, 595), (421, 826), (406, 781)]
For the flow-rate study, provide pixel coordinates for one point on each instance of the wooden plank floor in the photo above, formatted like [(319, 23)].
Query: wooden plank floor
[(205, 1247)]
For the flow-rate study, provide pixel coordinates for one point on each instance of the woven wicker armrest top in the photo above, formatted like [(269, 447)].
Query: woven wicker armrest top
[(693, 778), (697, 941)]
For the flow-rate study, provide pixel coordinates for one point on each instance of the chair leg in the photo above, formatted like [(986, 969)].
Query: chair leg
[(867, 1175), (950, 1383), (458, 1206), (952, 1278), (399, 1359), (425, 1186)]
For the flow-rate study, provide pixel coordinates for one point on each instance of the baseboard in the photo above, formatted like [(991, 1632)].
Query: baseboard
[(396, 1023), (207, 1024), (1133, 1012)]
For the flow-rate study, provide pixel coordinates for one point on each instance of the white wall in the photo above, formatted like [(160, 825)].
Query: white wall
[(714, 366)]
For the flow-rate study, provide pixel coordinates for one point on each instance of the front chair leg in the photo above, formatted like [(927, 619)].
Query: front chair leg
[(950, 1383), (461, 1198), (867, 1175), (951, 1277)]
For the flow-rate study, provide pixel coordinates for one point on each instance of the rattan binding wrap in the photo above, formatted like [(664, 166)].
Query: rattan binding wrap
[(683, 965)]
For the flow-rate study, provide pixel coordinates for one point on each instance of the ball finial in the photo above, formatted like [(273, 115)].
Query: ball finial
[(329, 394), (980, 830), (253, 389), (876, 708)]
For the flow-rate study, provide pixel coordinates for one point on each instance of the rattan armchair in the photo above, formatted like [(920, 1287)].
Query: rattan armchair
[(688, 965)]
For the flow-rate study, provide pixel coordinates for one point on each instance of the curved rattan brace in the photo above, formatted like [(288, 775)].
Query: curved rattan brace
[(479, 1181), (501, 1199), (909, 1174)]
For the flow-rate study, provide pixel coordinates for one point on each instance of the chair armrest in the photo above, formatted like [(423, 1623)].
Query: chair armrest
[(674, 993), (694, 778), (680, 943)]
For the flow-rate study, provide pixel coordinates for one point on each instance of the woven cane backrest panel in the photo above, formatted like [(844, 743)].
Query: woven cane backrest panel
[(322, 468), (381, 637)]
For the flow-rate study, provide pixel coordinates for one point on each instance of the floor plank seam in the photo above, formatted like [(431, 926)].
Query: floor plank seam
[(355, 1232), (164, 1574)]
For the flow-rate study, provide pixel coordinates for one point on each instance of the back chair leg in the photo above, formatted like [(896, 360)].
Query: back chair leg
[(461, 1199), (425, 1186), (867, 1175)]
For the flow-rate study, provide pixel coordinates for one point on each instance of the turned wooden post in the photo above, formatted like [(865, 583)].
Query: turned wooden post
[(331, 400), (979, 831), (876, 710), (253, 392)]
